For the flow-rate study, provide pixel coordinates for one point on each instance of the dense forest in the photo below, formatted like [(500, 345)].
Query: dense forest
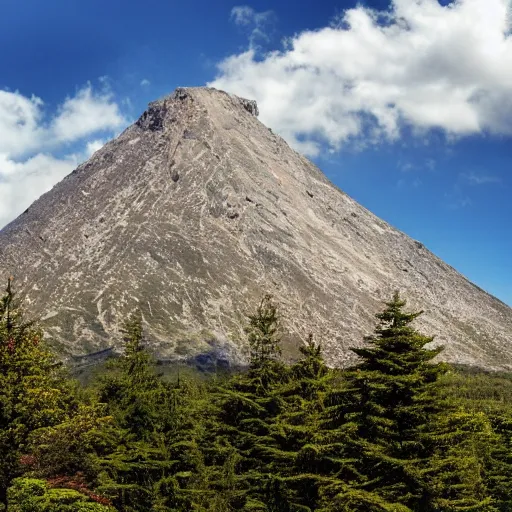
[(397, 432)]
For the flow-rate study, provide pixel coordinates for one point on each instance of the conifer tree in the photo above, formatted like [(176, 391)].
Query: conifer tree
[(485, 397), (141, 406), (248, 404), (499, 462), (381, 433), (294, 451), (158, 461), (131, 386), (34, 391), (264, 332), (457, 444)]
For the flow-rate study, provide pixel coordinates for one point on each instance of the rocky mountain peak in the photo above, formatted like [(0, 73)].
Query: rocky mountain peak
[(165, 110), (193, 213)]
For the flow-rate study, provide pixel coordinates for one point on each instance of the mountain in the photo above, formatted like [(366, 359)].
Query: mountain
[(197, 210)]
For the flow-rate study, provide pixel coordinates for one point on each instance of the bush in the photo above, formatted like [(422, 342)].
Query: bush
[(32, 495)]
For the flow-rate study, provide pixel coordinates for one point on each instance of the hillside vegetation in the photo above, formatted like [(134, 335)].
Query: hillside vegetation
[(395, 433)]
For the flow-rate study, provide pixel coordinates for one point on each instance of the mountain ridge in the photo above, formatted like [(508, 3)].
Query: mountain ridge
[(195, 211)]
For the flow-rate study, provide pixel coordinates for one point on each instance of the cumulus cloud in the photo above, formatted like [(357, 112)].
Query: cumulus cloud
[(365, 77), (84, 114), (20, 118), (145, 82), (24, 128), (23, 182), (29, 140)]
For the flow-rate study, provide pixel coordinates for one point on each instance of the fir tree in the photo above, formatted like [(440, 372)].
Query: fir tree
[(248, 404), (131, 385), (381, 433), (294, 452), (485, 397), (34, 391), (140, 405), (499, 463), (157, 462)]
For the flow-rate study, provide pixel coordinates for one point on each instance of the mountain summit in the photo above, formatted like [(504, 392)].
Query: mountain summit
[(197, 210)]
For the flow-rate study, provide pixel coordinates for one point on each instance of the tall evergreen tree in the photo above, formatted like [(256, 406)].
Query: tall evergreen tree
[(34, 391), (499, 463), (248, 405), (294, 452), (157, 462), (140, 405), (486, 397), (381, 425), (264, 332)]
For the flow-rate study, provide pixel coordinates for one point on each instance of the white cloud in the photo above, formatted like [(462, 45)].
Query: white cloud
[(93, 146), (371, 73), (23, 182), (24, 129), (479, 179), (242, 14), (145, 82), (257, 22), (20, 118), (84, 114), (29, 138)]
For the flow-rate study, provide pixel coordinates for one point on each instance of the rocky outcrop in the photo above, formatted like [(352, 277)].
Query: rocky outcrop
[(198, 209), (250, 105)]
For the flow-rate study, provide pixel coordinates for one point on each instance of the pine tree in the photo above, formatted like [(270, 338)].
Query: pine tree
[(141, 406), (264, 332), (383, 425), (248, 405), (485, 397), (131, 386), (499, 465), (294, 452), (157, 462), (457, 442), (34, 390)]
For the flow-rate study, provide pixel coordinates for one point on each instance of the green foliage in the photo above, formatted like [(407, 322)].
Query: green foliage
[(32, 495), (294, 452), (34, 392), (131, 387), (391, 434), (397, 432), (264, 333), (247, 407), (73, 446), (134, 457), (487, 397)]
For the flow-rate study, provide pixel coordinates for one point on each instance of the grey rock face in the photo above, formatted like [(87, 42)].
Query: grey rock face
[(197, 210)]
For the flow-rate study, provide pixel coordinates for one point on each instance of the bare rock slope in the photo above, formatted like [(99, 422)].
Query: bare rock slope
[(198, 209)]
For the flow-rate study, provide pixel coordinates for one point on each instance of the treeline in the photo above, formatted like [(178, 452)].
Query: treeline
[(396, 433)]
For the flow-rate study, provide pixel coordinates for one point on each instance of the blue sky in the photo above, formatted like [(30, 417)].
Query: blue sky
[(405, 105)]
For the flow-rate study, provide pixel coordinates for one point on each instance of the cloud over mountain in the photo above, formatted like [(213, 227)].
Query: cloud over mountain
[(35, 147), (420, 65)]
